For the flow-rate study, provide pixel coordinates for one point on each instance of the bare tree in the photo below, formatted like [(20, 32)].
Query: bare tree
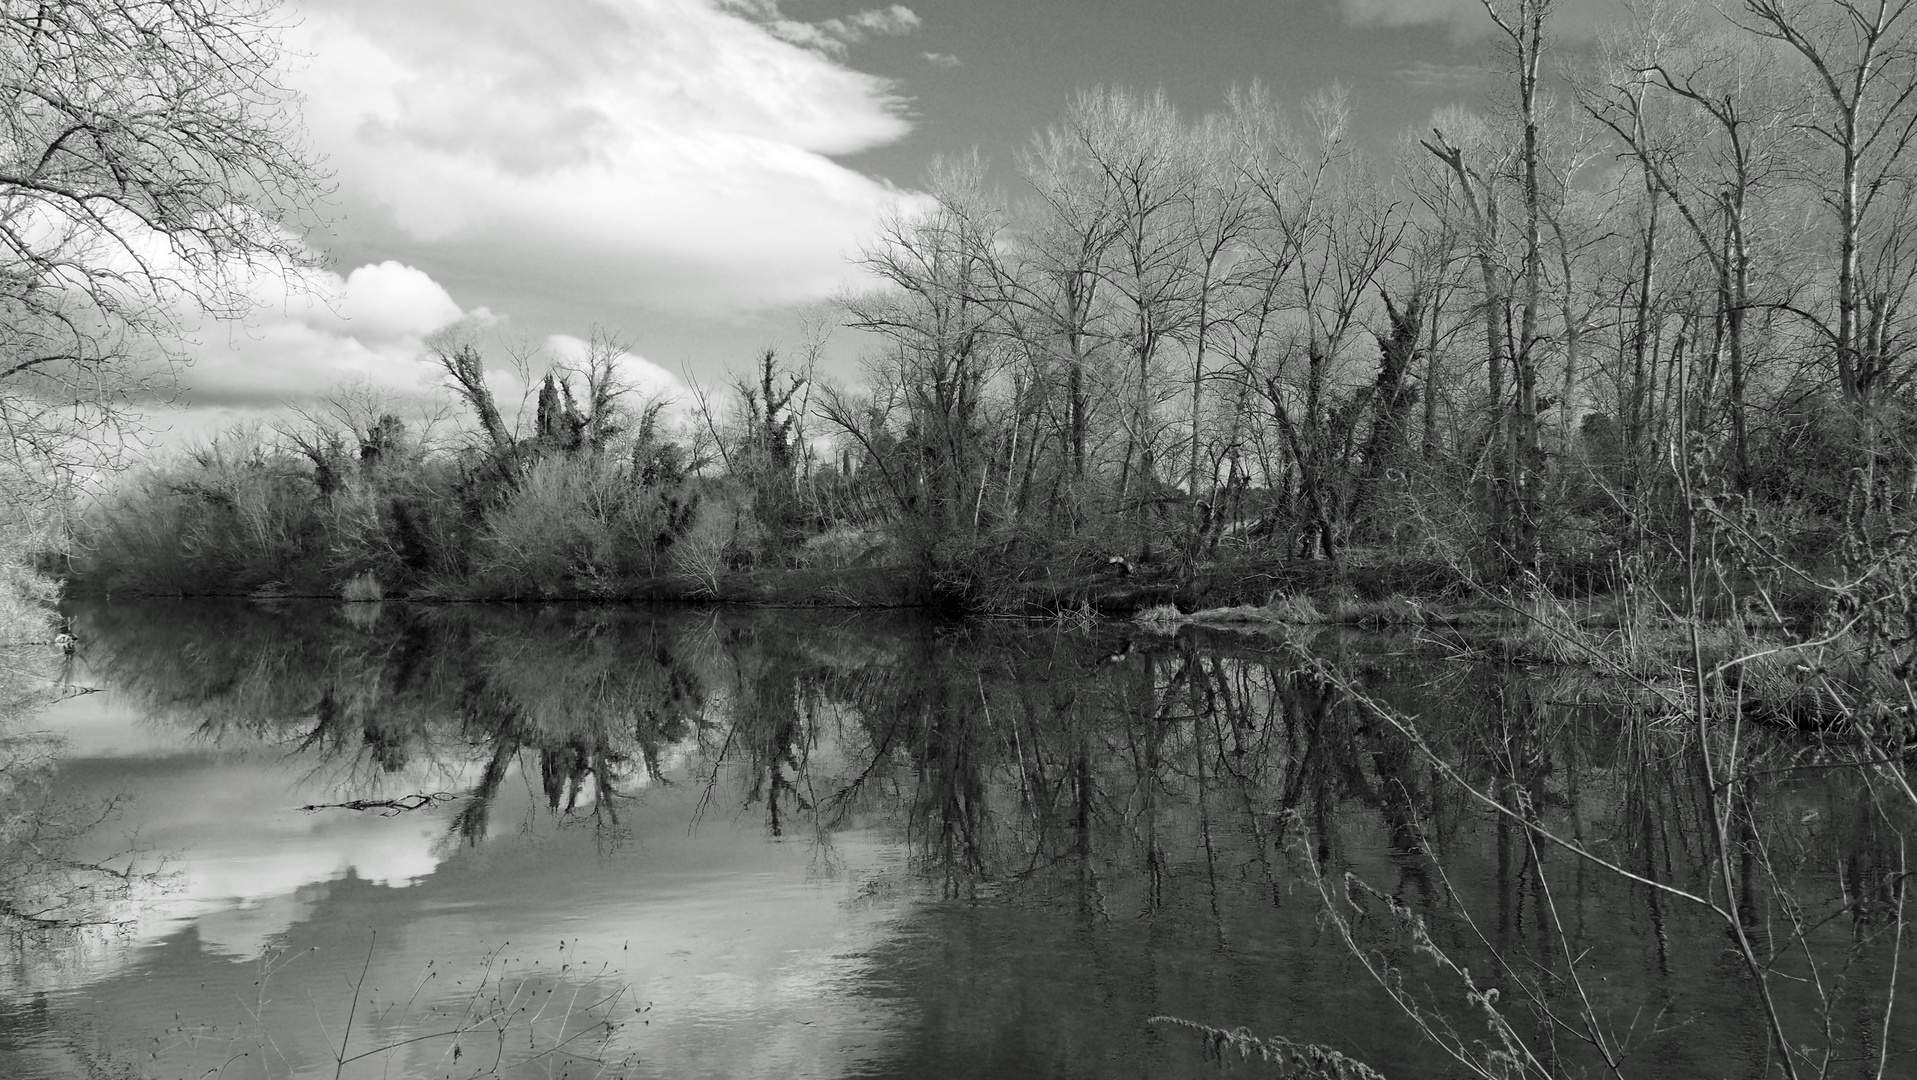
[(1137, 156), (1054, 291), (456, 350), (150, 166), (1219, 216), (1862, 59), (1341, 244), (1523, 28), (937, 316), (1708, 116), (1488, 169), (605, 414)]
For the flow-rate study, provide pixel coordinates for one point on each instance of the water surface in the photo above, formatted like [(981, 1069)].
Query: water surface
[(631, 842)]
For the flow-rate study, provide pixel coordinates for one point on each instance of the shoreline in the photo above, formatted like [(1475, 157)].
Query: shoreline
[(1222, 597)]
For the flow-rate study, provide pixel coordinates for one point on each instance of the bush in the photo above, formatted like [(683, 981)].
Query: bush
[(231, 516), (246, 514), (577, 526)]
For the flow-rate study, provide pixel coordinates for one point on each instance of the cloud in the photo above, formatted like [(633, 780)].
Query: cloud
[(670, 154), (1467, 18), (892, 22), (367, 327), (1464, 13), (942, 60), (830, 35), (1425, 75), (389, 301)]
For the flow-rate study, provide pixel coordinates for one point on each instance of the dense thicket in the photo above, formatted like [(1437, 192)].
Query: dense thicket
[(352, 498), (1663, 277)]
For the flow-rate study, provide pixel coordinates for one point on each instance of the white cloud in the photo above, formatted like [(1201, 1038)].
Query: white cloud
[(829, 35), (668, 153), (892, 22), (942, 60), (366, 327), (389, 300)]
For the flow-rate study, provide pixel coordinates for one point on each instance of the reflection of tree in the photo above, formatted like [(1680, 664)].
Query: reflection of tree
[(48, 895), (43, 887), (587, 704), (1111, 780), (773, 721), (469, 824)]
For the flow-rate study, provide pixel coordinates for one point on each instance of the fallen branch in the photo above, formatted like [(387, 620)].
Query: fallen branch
[(387, 807)]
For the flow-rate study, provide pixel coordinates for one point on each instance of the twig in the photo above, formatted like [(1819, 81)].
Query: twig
[(340, 1059)]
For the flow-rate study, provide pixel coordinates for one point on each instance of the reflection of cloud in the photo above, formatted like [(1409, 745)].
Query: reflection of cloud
[(726, 929), (240, 855), (1425, 75), (671, 153)]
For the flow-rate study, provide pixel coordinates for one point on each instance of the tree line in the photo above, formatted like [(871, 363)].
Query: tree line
[(1680, 262), (1664, 272)]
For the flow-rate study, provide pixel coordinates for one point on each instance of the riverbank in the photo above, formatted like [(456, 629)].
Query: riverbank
[(1244, 592), (1106, 587)]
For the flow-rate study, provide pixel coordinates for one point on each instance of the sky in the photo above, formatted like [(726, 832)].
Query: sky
[(698, 176)]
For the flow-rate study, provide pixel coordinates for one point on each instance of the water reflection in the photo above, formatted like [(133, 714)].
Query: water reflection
[(886, 845)]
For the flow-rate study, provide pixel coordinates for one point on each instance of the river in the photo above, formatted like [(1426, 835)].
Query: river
[(309, 839)]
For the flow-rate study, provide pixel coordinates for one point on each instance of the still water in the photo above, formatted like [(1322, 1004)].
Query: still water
[(411, 841)]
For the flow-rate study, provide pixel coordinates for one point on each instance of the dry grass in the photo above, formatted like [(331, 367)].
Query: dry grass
[(1161, 617), (1294, 608), (1393, 611), (363, 589)]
